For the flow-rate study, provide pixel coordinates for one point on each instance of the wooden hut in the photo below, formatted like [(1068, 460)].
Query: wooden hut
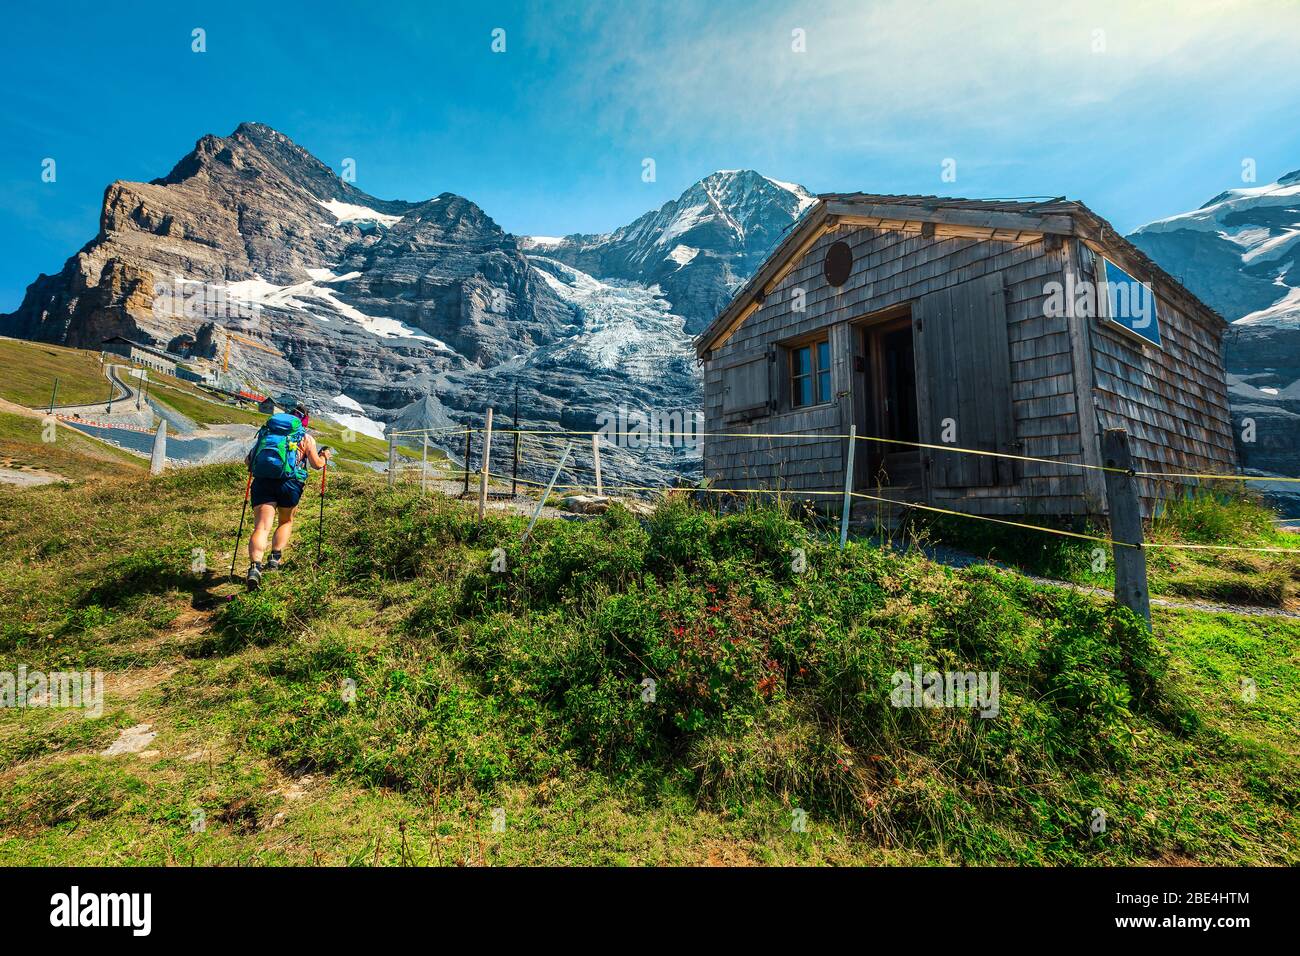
[(1024, 328)]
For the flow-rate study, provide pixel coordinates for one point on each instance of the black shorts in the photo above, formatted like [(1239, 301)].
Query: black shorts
[(281, 492)]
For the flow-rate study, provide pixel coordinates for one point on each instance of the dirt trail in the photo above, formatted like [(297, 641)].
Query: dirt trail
[(28, 477), (15, 409)]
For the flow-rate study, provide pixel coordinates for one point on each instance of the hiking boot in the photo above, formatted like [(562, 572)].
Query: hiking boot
[(254, 577), (273, 563)]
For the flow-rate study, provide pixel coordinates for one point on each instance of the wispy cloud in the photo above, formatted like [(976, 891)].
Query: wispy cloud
[(891, 69)]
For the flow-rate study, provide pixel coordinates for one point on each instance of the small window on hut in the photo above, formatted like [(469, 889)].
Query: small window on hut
[(810, 374), (1130, 303)]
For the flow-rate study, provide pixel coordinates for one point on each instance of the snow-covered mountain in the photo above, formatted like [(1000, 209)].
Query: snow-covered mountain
[(1240, 252), (624, 326), (414, 314), (696, 248)]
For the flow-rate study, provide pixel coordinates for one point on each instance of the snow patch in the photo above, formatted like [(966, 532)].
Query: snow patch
[(349, 403), (309, 297), (1214, 216), (359, 424), (325, 275), (1285, 311), (682, 255), (1243, 391), (346, 212), (685, 220), (805, 198), (1271, 247)]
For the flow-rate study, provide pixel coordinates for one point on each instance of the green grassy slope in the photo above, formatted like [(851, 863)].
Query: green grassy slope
[(523, 690), (199, 406), (28, 371), (71, 455)]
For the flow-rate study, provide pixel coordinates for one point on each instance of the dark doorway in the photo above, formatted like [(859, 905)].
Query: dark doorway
[(899, 368), (891, 408)]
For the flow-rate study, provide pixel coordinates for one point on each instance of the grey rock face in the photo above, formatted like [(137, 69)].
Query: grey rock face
[(269, 228), (1240, 252), (411, 314)]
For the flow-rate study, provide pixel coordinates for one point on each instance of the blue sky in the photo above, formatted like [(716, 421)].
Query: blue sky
[(1141, 110)]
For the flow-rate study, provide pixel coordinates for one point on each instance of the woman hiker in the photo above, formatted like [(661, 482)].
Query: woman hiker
[(278, 463)]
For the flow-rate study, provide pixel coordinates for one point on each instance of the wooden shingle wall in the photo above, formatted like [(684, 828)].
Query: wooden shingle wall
[(891, 268), (1172, 398)]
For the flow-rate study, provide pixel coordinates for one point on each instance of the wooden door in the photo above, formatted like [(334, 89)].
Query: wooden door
[(964, 382)]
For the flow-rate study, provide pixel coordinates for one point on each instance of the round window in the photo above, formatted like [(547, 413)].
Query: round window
[(838, 264)]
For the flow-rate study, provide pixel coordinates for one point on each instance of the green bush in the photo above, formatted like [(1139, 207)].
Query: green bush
[(277, 611), (408, 724), (691, 648)]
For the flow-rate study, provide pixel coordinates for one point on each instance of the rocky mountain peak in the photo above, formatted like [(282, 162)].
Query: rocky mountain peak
[(698, 247), (458, 218), (416, 314), (745, 195), (1240, 251)]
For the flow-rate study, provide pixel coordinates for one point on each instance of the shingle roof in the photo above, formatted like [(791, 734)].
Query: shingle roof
[(1028, 204), (1085, 222)]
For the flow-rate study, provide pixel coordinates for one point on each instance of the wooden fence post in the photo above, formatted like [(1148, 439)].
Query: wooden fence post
[(483, 477), (514, 468), (595, 457), (392, 459), (848, 485), (1125, 524)]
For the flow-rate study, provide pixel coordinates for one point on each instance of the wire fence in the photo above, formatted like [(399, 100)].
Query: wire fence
[(553, 458)]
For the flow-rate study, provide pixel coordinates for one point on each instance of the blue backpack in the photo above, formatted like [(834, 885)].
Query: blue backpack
[(277, 452)]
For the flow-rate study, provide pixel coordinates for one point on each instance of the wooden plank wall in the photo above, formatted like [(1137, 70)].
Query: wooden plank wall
[(892, 267), (1172, 398)]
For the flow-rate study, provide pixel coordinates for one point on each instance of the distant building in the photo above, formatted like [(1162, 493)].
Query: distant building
[(141, 354), (189, 375)]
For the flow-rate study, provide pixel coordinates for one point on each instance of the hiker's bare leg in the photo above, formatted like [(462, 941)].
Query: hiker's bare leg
[(283, 529), (263, 515)]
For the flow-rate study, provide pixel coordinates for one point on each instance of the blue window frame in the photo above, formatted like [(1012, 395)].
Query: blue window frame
[(1131, 303), (810, 374)]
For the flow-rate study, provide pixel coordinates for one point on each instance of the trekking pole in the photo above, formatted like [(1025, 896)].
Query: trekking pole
[(320, 523), (243, 511)]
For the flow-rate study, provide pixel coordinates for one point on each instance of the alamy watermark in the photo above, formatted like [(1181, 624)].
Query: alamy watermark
[(634, 428), (973, 690), (83, 690), (1132, 303), (75, 908), (194, 299)]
